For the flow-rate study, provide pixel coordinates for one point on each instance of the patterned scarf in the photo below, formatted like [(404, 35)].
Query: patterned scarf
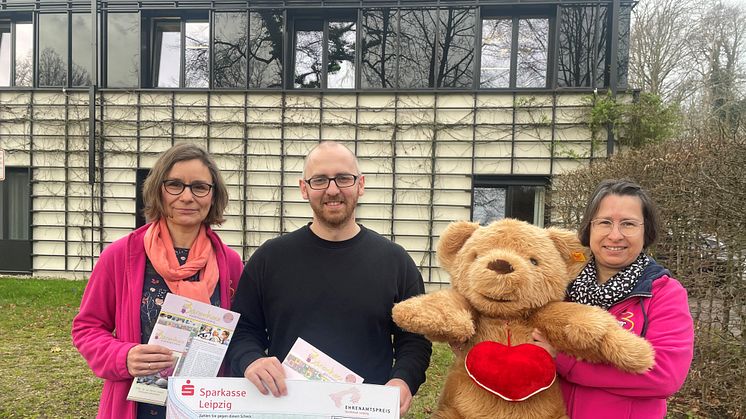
[(585, 289), (201, 259)]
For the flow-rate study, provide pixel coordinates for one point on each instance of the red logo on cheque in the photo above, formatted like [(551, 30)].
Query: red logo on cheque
[(187, 389)]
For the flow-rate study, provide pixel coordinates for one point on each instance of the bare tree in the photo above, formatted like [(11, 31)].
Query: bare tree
[(660, 57), (718, 46)]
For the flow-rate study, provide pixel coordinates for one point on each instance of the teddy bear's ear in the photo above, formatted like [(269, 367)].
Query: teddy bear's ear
[(575, 254), (452, 240)]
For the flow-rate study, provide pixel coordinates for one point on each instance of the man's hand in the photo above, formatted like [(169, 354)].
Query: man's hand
[(268, 376), (405, 396)]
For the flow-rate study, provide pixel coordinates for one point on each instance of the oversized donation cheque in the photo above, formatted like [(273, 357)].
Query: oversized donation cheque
[(318, 388), (198, 335)]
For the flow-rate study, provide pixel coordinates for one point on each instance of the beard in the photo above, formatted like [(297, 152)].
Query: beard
[(335, 216)]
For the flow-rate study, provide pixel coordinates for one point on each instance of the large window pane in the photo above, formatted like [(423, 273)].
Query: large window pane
[(523, 202), (265, 49), (497, 35), (601, 50), (532, 53), (456, 44), (308, 55), (488, 204), (24, 54), (123, 50), (231, 44), (341, 65), (378, 53), (167, 54), (197, 54), (14, 195), (81, 68), (582, 47), (5, 49), (417, 56), (623, 47), (52, 49)]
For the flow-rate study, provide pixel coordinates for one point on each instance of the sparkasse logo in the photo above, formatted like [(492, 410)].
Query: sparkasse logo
[(187, 389)]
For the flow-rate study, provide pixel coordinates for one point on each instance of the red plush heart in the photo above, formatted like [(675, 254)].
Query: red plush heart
[(514, 373)]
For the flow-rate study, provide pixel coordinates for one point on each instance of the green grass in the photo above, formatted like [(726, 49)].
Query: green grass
[(42, 373), (43, 376)]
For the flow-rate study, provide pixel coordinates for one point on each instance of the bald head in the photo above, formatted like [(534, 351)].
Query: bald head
[(326, 147)]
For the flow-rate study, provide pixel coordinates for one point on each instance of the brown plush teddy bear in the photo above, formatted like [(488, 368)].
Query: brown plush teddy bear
[(509, 278)]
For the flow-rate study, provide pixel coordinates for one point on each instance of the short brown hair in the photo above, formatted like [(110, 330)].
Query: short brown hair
[(621, 187), (151, 190)]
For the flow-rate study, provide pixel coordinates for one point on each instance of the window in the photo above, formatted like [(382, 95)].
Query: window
[(515, 52), (325, 54), (123, 50), (418, 48), (15, 210), (58, 65), (456, 40), (230, 49), (180, 53), (266, 31), (496, 197), (623, 46), (379, 48), (53, 49), (16, 69), (80, 68), (582, 60), (6, 46)]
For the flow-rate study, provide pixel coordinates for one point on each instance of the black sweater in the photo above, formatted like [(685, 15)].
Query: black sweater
[(335, 295)]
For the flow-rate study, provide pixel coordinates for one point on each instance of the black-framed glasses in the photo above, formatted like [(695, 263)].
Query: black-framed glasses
[(628, 228), (322, 182), (176, 187)]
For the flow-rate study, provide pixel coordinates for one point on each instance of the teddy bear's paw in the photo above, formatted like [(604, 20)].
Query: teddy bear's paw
[(627, 351), (429, 316)]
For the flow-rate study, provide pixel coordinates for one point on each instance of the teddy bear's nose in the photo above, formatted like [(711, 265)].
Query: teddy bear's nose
[(500, 266)]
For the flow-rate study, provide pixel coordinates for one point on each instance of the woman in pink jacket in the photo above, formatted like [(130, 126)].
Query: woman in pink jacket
[(176, 252), (620, 221)]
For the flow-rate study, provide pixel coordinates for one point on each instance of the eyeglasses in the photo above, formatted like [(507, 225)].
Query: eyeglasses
[(322, 182), (176, 187), (628, 228)]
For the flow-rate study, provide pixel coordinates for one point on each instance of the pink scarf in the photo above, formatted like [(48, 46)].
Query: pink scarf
[(160, 250)]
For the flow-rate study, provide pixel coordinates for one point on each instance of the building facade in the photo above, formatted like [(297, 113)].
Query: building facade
[(456, 109)]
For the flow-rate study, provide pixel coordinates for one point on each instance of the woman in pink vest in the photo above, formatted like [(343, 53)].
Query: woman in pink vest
[(619, 223), (176, 252)]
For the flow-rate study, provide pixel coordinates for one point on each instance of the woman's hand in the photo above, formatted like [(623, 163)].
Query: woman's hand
[(145, 360), (540, 340)]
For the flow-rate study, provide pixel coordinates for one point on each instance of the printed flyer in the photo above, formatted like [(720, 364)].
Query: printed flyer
[(306, 362), (198, 335), (237, 398)]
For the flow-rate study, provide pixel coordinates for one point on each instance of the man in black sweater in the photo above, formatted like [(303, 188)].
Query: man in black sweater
[(333, 283)]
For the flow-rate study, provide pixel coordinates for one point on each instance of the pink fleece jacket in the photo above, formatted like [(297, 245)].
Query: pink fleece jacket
[(601, 391), (108, 324)]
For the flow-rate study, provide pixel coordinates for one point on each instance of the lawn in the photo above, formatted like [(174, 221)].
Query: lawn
[(44, 376)]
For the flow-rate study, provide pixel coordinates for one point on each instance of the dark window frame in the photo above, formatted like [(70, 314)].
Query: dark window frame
[(352, 9), (516, 14), (12, 20), (301, 18), (148, 22), (510, 182), (5, 202), (69, 53)]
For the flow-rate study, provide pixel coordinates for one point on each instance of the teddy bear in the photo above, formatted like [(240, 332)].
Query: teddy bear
[(507, 279)]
